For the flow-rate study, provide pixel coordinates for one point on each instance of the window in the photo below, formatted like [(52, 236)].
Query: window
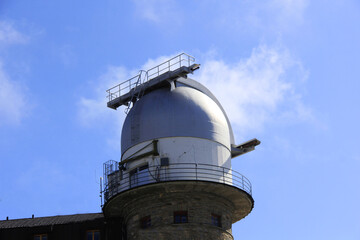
[(145, 222), (216, 220), (93, 235), (40, 237), (180, 217), (133, 178), (139, 176)]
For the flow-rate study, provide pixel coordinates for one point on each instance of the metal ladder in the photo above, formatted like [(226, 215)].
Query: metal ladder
[(140, 83)]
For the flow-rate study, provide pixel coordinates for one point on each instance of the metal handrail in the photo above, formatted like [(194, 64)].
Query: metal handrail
[(122, 88), (118, 181), (172, 64)]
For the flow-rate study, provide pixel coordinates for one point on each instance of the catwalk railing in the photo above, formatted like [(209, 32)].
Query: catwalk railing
[(172, 64), (117, 181)]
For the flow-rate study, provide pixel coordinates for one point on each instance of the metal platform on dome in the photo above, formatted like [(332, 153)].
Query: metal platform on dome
[(134, 88)]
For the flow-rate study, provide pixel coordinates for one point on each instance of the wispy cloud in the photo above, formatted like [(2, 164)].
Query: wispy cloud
[(258, 89), (67, 55), (92, 109), (13, 94), (158, 11), (262, 18), (254, 91), (12, 100), (153, 62), (289, 13), (291, 8), (9, 35)]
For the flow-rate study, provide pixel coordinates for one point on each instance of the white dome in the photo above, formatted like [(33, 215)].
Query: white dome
[(181, 112)]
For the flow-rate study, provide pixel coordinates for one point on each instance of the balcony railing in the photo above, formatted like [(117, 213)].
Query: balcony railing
[(117, 181)]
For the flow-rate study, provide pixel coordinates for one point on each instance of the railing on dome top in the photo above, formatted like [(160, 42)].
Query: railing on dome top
[(117, 181), (172, 64)]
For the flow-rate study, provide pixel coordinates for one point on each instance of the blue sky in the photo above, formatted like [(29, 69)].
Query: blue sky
[(286, 71)]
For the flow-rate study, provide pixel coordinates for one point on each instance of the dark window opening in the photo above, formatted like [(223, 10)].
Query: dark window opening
[(216, 220), (143, 167), (180, 217), (139, 176), (40, 237), (93, 235), (145, 222), (164, 161)]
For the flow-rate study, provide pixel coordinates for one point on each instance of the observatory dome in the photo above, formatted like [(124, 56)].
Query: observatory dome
[(180, 112)]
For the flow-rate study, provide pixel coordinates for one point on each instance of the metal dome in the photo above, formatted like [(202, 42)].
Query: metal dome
[(179, 112)]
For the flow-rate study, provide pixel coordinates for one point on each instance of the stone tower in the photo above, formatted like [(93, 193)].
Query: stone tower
[(174, 179)]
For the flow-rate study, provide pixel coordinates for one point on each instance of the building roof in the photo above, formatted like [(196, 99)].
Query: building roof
[(53, 220)]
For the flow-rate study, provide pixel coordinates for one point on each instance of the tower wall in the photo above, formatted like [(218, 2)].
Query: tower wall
[(199, 206), (200, 200)]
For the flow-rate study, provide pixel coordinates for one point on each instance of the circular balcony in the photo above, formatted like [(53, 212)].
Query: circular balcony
[(117, 181)]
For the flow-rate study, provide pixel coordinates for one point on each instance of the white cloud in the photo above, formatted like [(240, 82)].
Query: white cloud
[(9, 35), (152, 63), (67, 55), (158, 11), (291, 8), (265, 18), (92, 109), (258, 89), (13, 104), (13, 96), (253, 91), (289, 12)]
